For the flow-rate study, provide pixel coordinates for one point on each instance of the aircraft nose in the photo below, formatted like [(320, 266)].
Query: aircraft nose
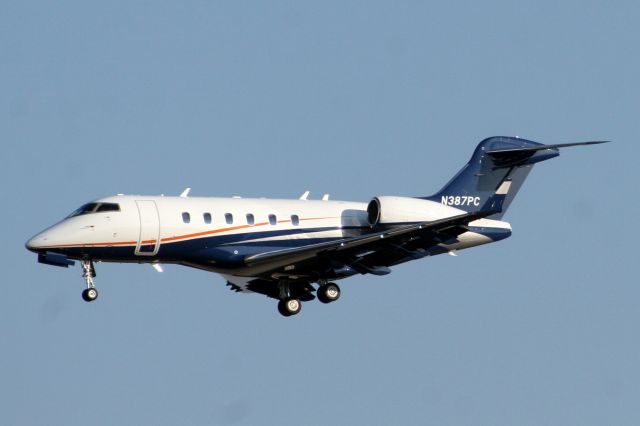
[(56, 236), (40, 241), (35, 243)]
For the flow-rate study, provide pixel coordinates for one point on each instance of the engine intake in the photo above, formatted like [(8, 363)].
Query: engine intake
[(373, 212)]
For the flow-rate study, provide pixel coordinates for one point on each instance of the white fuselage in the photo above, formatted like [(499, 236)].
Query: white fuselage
[(218, 233)]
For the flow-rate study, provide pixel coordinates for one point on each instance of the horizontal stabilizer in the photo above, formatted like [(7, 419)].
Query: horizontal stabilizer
[(529, 153), (497, 152)]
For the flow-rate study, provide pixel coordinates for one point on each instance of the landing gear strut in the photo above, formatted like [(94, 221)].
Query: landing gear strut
[(88, 273), (287, 305)]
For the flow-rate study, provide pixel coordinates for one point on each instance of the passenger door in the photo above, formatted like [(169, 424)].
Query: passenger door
[(149, 237)]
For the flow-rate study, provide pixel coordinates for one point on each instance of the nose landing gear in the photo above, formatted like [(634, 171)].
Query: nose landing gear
[(88, 273), (89, 294)]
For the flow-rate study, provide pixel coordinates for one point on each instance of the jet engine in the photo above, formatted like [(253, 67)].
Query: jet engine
[(388, 210)]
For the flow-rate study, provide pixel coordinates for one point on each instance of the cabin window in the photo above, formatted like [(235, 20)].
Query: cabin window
[(228, 217), (272, 219), (186, 217), (295, 220), (207, 218), (250, 219)]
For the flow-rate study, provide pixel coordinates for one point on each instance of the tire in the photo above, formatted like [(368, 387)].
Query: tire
[(288, 307), (90, 294), (282, 309), (328, 293), (321, 297)]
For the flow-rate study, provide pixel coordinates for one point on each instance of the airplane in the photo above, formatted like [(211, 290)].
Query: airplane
[(290, 249)]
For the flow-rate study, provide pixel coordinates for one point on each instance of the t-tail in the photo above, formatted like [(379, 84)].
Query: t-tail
[(489, 182)]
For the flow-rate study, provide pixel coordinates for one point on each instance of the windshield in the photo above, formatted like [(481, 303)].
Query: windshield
[(95, 208)]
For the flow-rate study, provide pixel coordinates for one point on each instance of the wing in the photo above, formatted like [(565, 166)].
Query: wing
[(392, 245)]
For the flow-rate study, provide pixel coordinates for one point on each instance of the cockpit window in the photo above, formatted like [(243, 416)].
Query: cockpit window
[(87, 208), (108, 207), (94, 208)]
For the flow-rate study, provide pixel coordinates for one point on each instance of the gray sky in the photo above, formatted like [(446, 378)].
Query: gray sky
[(357, 99)]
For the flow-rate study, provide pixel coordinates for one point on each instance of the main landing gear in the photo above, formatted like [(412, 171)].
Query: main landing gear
[(290, 305), (287, 305), (88, 273), (329, 292)]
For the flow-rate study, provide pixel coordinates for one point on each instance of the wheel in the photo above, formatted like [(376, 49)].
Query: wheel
[(90, 294), (288, 307), (328, 293)]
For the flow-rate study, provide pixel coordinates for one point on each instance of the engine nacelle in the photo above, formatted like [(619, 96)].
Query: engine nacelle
[(389, 210)]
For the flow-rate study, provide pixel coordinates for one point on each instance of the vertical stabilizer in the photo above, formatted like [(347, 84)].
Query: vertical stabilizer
[(494, 174)]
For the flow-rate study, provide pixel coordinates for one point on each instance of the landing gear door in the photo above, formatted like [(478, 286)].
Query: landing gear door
[(149, 237)]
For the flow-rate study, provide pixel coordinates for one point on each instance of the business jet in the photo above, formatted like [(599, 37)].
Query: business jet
[(290, 249)]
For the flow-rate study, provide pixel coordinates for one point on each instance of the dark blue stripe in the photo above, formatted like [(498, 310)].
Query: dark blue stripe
[(236, 238)]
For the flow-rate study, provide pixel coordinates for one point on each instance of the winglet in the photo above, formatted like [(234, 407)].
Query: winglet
[(185, 193), (325, 197), (305, 195)]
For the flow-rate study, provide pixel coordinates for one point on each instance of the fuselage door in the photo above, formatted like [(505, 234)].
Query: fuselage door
[(149, 238)]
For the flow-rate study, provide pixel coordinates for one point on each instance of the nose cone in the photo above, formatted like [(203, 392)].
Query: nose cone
[(68, 233), (45, 239), (36, 243)]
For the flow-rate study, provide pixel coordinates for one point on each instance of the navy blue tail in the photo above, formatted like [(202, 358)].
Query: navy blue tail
[(494, 174)]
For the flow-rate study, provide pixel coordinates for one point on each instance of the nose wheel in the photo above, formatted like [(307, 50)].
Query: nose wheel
[(89, 294), (88, 273)]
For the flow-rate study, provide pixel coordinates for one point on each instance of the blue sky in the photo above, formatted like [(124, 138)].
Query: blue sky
[(356, 99)]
